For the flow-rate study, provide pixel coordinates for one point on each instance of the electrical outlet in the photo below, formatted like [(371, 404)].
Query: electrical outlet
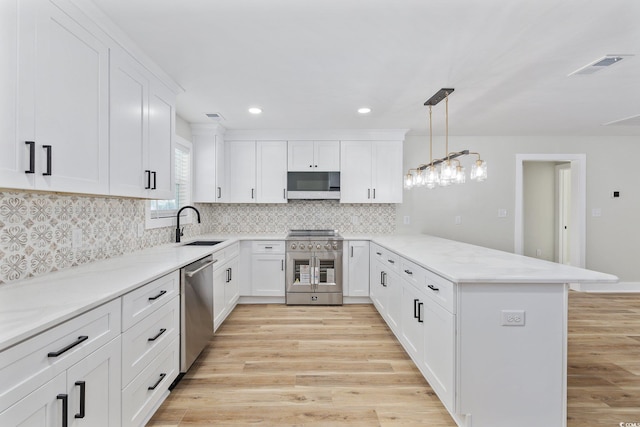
[(596, 212), (513, 317), (502, 213), (76, 238), (140, 230), (355, 220), (538, 252), (406, 219)]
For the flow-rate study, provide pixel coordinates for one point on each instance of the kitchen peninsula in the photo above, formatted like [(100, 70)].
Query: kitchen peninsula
[(488, 329)]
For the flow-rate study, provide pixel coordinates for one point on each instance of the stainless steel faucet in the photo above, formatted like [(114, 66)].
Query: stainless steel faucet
[(178, 230)]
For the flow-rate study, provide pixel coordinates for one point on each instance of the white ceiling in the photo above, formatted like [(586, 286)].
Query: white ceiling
[(309, 64)]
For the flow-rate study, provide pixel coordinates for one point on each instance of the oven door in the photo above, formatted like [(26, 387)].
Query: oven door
[(314, 272), (299, 272)]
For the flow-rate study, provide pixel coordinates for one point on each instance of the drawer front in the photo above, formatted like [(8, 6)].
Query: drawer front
[(26, 366), (232, 251), (142, 395), (146, 339), (412, 273), (378, 253), (441, 291), (268, 247), (138, 304)]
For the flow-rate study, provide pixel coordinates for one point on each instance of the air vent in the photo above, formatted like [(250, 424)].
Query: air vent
[(214, 116), (599, 64)]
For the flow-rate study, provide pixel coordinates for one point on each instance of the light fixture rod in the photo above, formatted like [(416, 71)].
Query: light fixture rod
[(449, 157)]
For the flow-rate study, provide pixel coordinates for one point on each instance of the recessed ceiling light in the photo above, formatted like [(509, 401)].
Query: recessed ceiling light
[(364, 110), (255, 110)]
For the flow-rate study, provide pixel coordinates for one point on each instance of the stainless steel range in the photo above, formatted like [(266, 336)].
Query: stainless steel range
[(314, 267)]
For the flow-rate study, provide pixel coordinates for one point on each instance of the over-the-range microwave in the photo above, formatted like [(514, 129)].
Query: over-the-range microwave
[(313, 185)]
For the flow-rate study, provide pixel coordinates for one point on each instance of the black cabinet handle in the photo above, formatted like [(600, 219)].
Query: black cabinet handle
[(157, 296), (148, 174), (252, 192), (162, 331), (409, 272), (83, 395), (391, 261), (80, 339), (420, 312), (374, 193), (378, 253), (433, 288), (153, 387), (284, 193), (48, 171), (219, 192), (384, 279), (230, 274), (154, 180), (32, 156), (415, 308), (282, 265), (368, 193), (65, 407)]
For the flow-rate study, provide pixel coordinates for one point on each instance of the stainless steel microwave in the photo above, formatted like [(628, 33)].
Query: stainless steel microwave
[(313, 185)]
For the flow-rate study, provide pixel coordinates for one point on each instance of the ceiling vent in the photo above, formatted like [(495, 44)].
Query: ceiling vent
[(215, 116), (628, 121), (599, 64)]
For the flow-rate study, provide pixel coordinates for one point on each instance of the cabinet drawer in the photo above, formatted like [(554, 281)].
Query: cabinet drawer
[(138, 304), (146, 339), (268, 247), (26, 366), (412, 273), (232, 251), (142, 395), (441, 291), (377, 252)]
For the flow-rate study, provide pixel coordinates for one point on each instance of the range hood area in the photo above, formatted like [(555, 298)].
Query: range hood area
[(313, 185)]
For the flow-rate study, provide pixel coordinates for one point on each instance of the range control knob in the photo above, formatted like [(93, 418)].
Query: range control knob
[(327, 246), (293, 246), (335, 246), (301, 245), (318, 246)]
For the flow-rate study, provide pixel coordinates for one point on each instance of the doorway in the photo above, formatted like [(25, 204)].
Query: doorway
[(569, 244)]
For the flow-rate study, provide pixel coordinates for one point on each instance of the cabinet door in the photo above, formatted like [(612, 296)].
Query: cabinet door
[(14, 160), (267, 272), (386, 172), (71, 105), (161, 132), (355, 172), (271, 164), (439, 334), (300, 156), (412, 321), (99, 375), (219, 302), (326, 155), (394, 301), (129, 137), (241, 171), (377, 287), (208, 163), (232, 285), (358, 268), (41, 408)]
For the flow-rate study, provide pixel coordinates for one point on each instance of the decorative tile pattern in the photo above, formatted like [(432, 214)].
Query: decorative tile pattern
[(36, 229)]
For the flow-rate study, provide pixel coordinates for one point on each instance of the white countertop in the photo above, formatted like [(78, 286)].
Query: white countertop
[(30, 306)]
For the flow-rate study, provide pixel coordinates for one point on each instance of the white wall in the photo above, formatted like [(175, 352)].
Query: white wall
[(539, 188), (183, 128), (612, 239)]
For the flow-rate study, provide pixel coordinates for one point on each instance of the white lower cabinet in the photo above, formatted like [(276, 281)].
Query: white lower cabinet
[(355, 261), (226, 283), (267, 268), (71, 371)]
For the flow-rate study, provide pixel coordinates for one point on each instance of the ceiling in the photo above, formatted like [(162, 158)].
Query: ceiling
[(310, 64)]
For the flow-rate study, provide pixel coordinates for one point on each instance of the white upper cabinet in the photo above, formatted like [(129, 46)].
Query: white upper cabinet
[(371, 172), (61, 142), (241, 172), (317, 156), (141, 131), (271, 177), (208, 163)]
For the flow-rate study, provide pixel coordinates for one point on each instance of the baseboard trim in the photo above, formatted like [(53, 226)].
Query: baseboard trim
[(620, 287)]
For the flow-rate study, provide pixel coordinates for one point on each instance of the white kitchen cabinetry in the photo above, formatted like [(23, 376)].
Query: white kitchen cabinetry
[(256, 171), (371, 172), (208, 163), (385, 286), (61, 98), (267, 268), (316, 156), (151, 346), (74, 366), (356, 268), (226, 285), (140, 143), (271, 171)]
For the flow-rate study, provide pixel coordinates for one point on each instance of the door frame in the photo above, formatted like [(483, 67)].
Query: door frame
[(578, 202)]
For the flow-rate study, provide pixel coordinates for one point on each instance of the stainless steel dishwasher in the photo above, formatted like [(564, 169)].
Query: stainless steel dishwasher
[(196, 314)]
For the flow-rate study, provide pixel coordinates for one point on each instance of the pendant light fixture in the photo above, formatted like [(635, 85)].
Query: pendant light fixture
[(451, 170)]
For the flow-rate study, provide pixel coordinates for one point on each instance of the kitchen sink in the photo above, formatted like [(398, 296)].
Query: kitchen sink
[(203, 243)]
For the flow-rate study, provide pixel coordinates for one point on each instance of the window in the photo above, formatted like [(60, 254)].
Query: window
[(161, 213)]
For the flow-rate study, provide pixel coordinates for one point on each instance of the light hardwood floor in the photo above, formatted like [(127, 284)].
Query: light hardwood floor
[(274, 365)]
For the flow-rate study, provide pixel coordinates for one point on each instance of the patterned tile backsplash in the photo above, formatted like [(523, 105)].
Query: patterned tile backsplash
[(37, 229)]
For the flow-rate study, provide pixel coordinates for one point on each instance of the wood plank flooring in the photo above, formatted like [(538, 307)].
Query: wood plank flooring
[(274, 365)]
